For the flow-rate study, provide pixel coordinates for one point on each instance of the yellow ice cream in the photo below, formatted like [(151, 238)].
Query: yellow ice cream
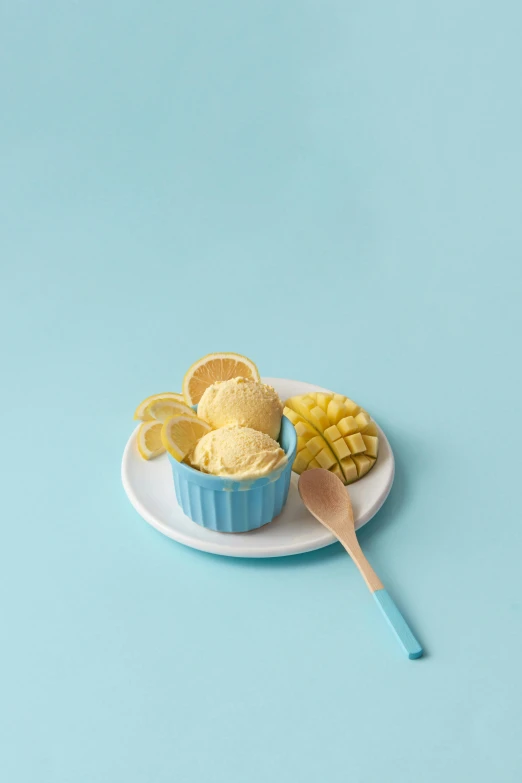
[(237, 452), (243, 403)]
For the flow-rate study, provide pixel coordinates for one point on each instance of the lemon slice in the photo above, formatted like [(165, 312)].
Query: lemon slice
[(216, 367), (181, 433), (140, 412), (164, 409), (149, 439)]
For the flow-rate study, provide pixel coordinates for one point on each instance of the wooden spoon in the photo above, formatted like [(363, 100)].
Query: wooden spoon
[(326, 497)]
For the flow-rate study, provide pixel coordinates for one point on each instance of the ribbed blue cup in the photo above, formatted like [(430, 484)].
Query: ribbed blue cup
[(235, 506)]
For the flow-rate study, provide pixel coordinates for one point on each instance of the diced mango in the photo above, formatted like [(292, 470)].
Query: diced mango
[(301, 443), (315, 445), (302, 461), (363, 420), (332, 433), (371, 429), (303, 429), (363, 464), (355, 443), (349, 469), (292, 415), (340, 449), (301, 405), (323, 400), (325, 458), (335, 411), (319, 418), (372, 445), (347, 426), (351, 407), (336, 470), (324, 420)]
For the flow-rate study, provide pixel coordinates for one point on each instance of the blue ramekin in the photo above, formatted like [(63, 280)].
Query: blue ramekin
[(235, 506)]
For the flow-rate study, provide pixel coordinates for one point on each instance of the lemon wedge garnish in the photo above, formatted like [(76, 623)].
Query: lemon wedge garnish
[(149, 439), (164, 409), (180, 434), (216, 367), (140, 412)]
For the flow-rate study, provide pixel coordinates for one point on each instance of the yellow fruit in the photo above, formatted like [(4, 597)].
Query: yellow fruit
[(312, 449), (149, 439), (347, 428), (363, 463), (355, 443), (335, 411), (340, 449), (315, 445), (351, 407), (336, 470), (332, 434), (349, 469), (323, 400), (140, 412), (181, 433), (216, 367), (371, 429), (292, 415), (325, 458), (363, 421), (372, 445), (301, 462), (161, 410)]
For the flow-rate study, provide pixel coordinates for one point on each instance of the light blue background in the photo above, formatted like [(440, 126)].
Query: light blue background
[(335, 190)]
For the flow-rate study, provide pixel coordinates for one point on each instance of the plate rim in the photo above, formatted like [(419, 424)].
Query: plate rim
[(285, 550)]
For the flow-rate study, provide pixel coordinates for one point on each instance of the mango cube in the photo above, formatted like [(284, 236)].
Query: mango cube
[(371, 429), (323, 400), (372, 445), (301, 444), (315, 445), (319, 418), (363, 464), (340, 449), (355, 443), (363, 420), (292, 415), (351, 407), (325, 458), (336, 470), (332, 433), (347, 426), (303, 429), (349, 469), (313, 464), (302, 461), (335, 411)]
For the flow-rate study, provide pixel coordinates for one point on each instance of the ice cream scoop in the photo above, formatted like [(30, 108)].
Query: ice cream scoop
[(243, 403), (237, 452)]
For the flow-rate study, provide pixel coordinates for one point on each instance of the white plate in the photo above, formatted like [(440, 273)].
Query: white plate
[(150, 488)]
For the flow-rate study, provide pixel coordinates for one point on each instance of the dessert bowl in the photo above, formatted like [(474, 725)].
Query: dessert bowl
[(232, 506)]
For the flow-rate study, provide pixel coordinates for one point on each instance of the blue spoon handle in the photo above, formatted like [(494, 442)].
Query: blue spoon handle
[(398, 624)]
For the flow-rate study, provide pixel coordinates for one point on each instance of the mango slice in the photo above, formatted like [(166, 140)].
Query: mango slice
[(333, 432), (312, 449)]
